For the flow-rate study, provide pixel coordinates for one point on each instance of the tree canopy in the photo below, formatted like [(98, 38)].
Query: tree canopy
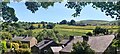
[(82, 48), (110, 8)]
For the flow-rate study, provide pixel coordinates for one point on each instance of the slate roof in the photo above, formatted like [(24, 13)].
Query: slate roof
[(22, 38), (27, 39), (17, 38), (56, 49), (45, 45), (97, 43), (64, 41), (42, 44)]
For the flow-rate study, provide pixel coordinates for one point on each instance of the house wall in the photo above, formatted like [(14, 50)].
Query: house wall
[(45, 50), (33, 42)]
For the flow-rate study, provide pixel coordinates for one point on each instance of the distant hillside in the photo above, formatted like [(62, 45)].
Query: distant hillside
[(96, 22)]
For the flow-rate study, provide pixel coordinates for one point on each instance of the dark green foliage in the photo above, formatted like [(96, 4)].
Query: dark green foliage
[(23, 51), (6, 35), (89, 34), (0, 47), (39, 26), (47, 34), (82, 48), (8, 13), (50, 26), (99, 30), (118, 35), (63, 22), (8, 44), (43, 24), (31, 27), (110, 8), (24, 46), (28, 33), (72, 22), (33, 6), (77, 6), (116, 43)]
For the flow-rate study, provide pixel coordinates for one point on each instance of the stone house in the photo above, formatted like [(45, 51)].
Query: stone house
[(31, 41)]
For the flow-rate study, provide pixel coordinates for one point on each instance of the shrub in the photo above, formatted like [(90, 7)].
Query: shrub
[(82, 48), (6, 35), (23, 51), (50, 26), (15, 45), (99, 30), (4, 47), (24, 46), (89, 34)]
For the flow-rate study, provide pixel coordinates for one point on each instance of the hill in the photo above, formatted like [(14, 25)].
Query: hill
[(96, 22)]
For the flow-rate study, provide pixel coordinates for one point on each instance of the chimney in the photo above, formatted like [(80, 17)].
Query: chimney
[(71, 38), (85, 38)]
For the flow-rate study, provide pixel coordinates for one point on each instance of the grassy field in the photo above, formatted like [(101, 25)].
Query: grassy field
[(76, 30)]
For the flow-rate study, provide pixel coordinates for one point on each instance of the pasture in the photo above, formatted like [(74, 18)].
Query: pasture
[(76, 30)]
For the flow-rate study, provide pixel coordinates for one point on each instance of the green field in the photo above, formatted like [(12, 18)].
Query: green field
[(75, 30)]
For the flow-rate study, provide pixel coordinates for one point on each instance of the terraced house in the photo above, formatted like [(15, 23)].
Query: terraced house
[(100, 44)]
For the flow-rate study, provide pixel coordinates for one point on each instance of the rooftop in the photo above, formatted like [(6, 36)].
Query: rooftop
[(97, 43)]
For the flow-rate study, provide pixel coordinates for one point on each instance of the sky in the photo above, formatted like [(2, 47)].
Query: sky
[(57, 13)]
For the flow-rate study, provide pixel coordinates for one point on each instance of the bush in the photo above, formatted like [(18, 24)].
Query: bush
[(24, 46), (23, 51), (4, 47), (50, 26), (89, 34), (6, 35), (15, 45), (82, 48), (99, 30)]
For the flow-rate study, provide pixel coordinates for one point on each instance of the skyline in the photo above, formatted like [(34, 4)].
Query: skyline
[(57, 13)]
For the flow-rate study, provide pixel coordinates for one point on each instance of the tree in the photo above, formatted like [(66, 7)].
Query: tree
[(89, 34), (72, 22), (8, 13), (31, 27), (110, 8), (50, 26), (63, 22), (43, 24), (39, 26), (47, 34), (99, 30), (82, 48), (6, 35)]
